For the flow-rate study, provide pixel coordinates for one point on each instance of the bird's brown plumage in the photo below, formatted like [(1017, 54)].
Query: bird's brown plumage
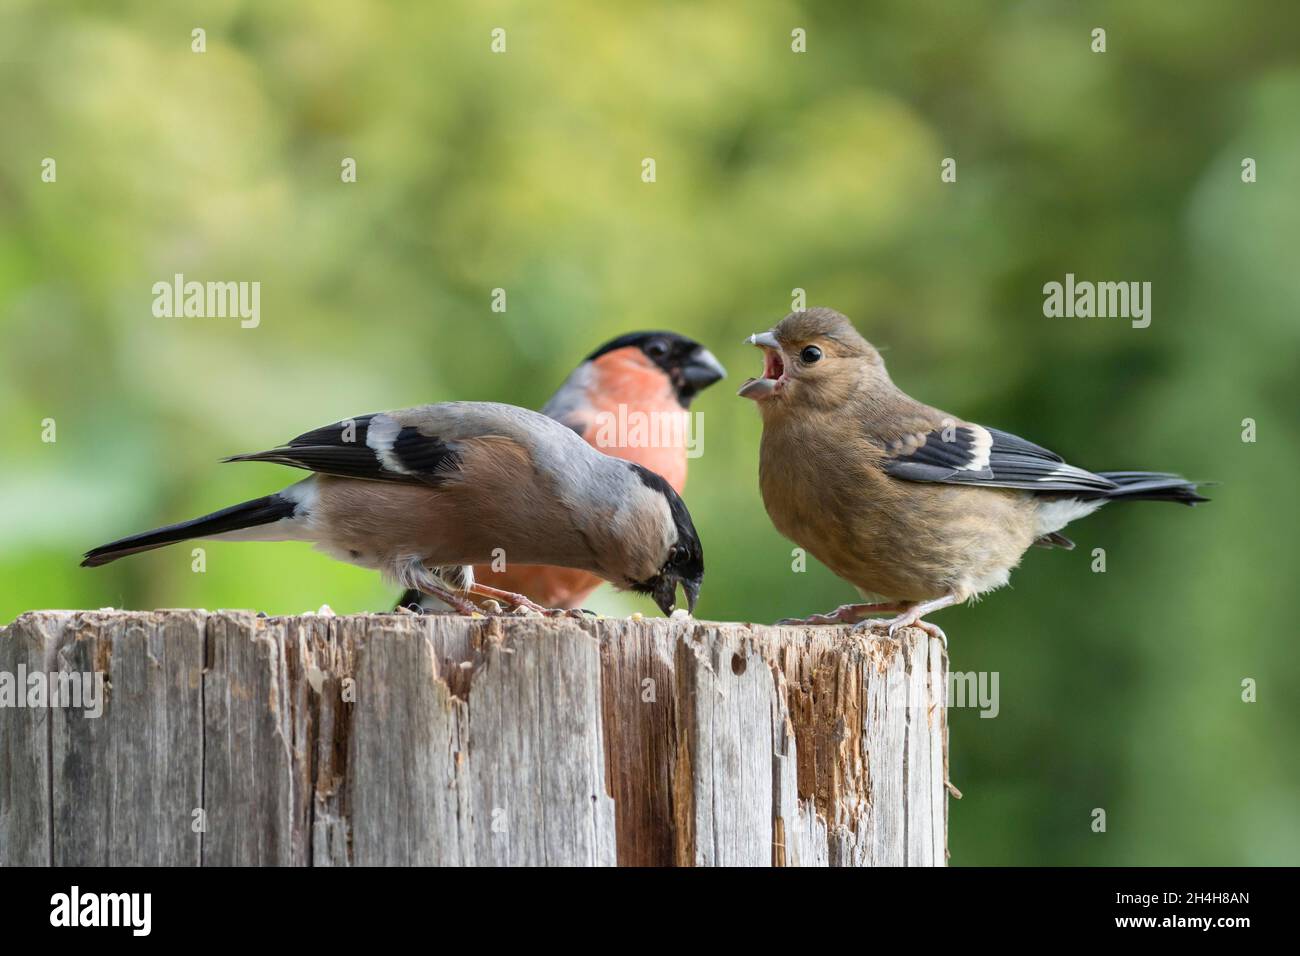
[(824, 438), (903, 501), (460, 519)]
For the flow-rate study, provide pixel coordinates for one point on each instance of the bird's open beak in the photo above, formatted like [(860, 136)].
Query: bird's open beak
[(702, 369), (773, 368)]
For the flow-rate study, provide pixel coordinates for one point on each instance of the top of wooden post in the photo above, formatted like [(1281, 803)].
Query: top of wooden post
[(228, 738)]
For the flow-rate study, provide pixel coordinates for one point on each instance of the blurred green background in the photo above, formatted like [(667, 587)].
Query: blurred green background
[(775, 170)]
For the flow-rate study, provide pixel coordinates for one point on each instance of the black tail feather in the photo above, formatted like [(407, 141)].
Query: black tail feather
[(236, 517), (1152, 486), (410, 598)]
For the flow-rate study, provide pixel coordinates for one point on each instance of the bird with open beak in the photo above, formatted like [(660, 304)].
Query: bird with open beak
[(917, 509), (645, 380), (423, 494)]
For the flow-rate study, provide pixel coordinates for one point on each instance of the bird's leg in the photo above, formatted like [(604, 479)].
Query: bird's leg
[(845, 614), (509, 597), (911, 617), (520, 600), (414, 575), (450, 598)]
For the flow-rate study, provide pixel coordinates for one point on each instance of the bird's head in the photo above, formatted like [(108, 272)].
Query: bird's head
[(815, 357), (638, 367), (675, 555)]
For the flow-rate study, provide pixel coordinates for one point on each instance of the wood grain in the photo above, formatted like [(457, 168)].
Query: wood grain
[(396, 739)]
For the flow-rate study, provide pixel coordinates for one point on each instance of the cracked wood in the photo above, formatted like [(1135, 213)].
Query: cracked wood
[(228, 738)]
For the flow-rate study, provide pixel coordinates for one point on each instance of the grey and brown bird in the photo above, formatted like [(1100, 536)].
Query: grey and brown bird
[(629, 398), (916, 508), (425, 493)]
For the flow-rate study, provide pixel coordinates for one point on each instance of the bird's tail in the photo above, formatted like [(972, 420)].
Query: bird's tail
[(410, 597), (249, 514), (1151, 486)]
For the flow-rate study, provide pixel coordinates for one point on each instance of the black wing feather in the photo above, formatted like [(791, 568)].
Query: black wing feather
[(343, 450), (956, 455)]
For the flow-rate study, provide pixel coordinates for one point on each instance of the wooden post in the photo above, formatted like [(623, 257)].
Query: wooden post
[(226, 738)]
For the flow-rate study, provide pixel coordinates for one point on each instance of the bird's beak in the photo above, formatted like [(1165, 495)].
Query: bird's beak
[(692, 589), (664, 592), (702, 369), (774, 367)]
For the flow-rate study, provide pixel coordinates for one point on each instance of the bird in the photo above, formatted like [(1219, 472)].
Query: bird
[(422, 494), (917, 509), (629, 398)]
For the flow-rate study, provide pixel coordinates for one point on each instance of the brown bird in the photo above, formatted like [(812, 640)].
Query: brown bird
[(628, 398), (914, 507), (422, 494)]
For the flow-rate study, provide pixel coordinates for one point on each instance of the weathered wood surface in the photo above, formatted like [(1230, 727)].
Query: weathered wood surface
[(227, 738)]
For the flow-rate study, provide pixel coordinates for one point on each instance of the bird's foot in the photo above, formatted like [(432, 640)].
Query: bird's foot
[(909, 618), (509, 598), (933, 630), (844, 614), (520, 603), (457, 603)]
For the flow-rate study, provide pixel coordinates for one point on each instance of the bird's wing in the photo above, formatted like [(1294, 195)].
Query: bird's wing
[(581, 421), (388, 446), (571, 404), (962, 453)]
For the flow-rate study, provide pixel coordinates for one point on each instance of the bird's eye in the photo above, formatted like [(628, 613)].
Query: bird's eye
[(810, 354), (657, 348)]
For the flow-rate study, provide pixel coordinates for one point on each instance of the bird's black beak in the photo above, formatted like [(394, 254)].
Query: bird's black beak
[(692, 589), (702, 369), (664, 592)]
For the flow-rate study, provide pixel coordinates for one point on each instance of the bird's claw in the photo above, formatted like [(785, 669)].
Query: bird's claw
[(894, 626), (934, 631), (816, 620), (844, 614)]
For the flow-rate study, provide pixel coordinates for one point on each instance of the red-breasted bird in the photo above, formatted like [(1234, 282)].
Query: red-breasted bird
[(916, 508), (629, 399), (423, 492)]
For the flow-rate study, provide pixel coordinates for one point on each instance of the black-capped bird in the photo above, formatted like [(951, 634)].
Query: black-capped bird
[(916, 508), (425, 493), (628, 398)]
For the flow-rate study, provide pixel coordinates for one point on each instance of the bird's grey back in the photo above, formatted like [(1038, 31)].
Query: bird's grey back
[(571, 397), (578, 471)]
